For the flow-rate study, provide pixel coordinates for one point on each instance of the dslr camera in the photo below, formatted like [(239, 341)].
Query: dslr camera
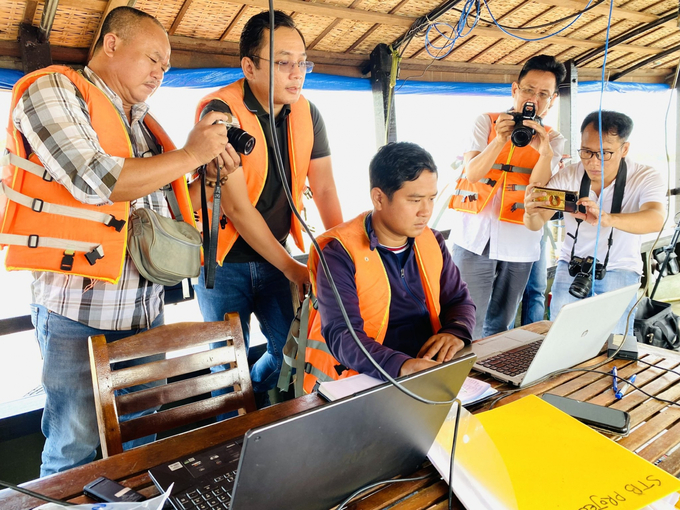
[(521, 135), (242, 141), (581, 270)]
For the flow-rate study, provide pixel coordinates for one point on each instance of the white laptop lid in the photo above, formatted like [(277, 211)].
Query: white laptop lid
[(579, 332)]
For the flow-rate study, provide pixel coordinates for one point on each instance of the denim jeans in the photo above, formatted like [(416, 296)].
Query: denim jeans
[(246, 288), (495, 286), (69, 420), (614, 279), (533, 299)]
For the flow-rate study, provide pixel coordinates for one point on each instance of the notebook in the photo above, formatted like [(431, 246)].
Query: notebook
[(315, 459), (580, 330)]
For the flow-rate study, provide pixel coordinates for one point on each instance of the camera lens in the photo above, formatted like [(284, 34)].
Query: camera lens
[(242, 142), (521, 136), (580, 287)]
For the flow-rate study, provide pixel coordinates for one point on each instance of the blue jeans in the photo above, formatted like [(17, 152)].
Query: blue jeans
[(614, 279), (69, 420), (246, 288), (533, 299), (495, 287)]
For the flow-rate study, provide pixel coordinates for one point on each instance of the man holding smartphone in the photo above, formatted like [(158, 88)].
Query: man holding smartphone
[(632, 204), (494, 251)]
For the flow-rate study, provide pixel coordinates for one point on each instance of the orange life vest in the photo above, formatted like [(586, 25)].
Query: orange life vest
[(256, 164), (51, 230), (510, 173), (373, 291)]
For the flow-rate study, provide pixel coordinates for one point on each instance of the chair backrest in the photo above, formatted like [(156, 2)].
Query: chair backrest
[(158, 341)]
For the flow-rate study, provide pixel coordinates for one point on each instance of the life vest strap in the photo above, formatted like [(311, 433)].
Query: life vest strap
[(486, 180), (294, 351), (320, 376), (515, 187), (12, 159), (93, 252), (39, 206), (516, 205), (467, 195), (511, 168)]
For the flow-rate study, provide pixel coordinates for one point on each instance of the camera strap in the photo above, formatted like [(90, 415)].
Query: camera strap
[(210, 228), (617, 201)]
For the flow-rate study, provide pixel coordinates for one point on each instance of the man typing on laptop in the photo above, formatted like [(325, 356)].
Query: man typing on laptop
[(402, 292)]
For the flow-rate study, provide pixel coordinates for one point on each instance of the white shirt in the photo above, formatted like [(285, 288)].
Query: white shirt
[(510, 242), (643, 185)]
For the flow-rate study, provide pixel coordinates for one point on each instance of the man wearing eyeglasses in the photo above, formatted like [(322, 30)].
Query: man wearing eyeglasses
[(642, 210), (255, 267), (493, 249)]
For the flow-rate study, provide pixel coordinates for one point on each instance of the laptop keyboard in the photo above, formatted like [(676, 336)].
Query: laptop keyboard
[(210, 496), (513, 362)]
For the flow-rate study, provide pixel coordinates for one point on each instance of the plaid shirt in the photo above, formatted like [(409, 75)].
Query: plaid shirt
[(54, 118)]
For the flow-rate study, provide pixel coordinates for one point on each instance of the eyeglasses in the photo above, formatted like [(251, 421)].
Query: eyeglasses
[(606, 155), (288, 67), (543, 96)]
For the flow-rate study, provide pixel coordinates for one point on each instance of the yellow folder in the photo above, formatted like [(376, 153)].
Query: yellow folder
[(549, 460)]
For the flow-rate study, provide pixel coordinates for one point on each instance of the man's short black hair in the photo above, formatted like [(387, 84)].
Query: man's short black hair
[(397, 163), (613, 123), (544, 63), (252, 37), (122, 21)]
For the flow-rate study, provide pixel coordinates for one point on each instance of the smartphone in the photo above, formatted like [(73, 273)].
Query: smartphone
[(108, 491), (599, 417), (558, 199)]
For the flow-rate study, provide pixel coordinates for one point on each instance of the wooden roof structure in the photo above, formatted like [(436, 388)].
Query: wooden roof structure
[(341, 34)]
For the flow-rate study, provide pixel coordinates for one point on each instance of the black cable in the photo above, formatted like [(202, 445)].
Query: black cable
[(34, 494), (376, 484), (658, 367)]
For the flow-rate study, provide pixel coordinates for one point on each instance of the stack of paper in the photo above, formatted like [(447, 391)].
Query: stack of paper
[(473, 390), (529, 455)]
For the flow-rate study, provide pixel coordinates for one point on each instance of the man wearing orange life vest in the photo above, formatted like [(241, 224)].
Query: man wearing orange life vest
[(492, 247), (402, 292), (90, 132), (255, 268)]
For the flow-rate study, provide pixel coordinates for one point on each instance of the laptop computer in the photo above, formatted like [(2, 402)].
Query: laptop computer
[(315, 459), (578, 333)]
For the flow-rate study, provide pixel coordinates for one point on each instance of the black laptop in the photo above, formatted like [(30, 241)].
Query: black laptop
[(315, 459)]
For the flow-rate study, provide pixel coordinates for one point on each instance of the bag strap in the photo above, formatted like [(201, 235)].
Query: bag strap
[(295, 350)]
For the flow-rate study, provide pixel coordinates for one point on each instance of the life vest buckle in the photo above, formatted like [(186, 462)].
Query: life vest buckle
[(93, 256), (47, 177), (67, 261), (37, 205), (115, 223), (506, 168), (516, 205), (340, 368), (33, 240), (223, 222)]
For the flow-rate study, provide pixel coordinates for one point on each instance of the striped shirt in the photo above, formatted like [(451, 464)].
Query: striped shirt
[(55, 121)]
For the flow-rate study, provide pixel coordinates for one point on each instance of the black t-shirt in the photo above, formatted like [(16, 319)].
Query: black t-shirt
[(272, 204)]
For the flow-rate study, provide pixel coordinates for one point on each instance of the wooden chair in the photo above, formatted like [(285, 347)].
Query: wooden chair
[(113, 433)]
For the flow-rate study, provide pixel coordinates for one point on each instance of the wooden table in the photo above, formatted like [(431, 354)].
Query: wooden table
[(649, 418)]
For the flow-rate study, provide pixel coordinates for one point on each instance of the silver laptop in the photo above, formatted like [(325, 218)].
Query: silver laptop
[(580, 330), (315, 459)]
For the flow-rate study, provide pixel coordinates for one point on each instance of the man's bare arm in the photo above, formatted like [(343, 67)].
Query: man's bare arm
[(322, 183)]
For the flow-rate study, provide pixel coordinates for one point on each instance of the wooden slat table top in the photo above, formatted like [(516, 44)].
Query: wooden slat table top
[(655, 434)]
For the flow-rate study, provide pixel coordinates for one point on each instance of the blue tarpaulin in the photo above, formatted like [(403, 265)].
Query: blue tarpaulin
[(205, 78)]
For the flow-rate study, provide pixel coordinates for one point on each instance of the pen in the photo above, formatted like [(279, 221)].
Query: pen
[(615, 376), (619, 394)]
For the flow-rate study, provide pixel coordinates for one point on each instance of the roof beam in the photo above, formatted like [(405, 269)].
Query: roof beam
[(180, 16), (333, 11), (29, 11), (111, 5), (496, 33), (644, 62), (233, 22), (579, 5)]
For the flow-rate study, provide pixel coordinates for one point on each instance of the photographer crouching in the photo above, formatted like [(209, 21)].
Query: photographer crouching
[(494, 251), (633, 204)]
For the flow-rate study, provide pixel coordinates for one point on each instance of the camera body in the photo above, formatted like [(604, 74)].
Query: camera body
[(521, 135), (243, 142), (580, 269)]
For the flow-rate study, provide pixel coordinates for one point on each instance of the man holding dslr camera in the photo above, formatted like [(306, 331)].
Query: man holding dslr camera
[(633, 204), (507, 151)]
